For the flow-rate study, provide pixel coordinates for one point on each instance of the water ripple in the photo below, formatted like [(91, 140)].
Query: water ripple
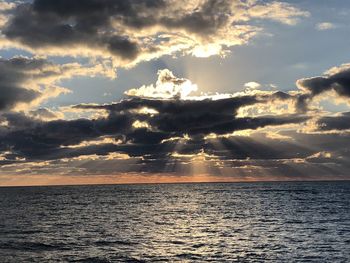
[(256, 222)]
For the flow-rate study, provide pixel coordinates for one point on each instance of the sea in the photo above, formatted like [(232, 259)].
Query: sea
[(199, 222)]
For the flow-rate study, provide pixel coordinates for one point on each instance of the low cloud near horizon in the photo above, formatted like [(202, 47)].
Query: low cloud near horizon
[(163, 128)]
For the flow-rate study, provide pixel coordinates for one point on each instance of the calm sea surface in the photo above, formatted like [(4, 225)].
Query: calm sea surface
[(238, 222)]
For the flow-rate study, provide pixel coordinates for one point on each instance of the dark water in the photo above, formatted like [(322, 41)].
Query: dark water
[(242, 222)]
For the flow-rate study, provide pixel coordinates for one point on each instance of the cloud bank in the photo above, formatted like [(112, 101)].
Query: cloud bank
[(132, 31), (157, 130)]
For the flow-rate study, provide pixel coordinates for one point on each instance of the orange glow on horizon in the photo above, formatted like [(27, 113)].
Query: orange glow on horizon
[(44, 180)]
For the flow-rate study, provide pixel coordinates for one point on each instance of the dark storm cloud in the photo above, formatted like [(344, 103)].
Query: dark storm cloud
[(62, 22), (202, 117), (218, 124), (337, 123), (138, 30), (337, 80), (11, 95), (13, 74), (211, 16), (257, 153), (177, 106), (37, 139), (151, 149), (32, 80), (31, 137), (65, 23), (46, 23)]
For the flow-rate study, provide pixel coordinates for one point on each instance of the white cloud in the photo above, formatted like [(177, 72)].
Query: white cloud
[(325, 26), (252, 85), (167, 86)]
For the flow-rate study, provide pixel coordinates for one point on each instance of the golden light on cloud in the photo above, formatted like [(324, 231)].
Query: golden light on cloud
[(171, 29), (167, 86), (207, 51)]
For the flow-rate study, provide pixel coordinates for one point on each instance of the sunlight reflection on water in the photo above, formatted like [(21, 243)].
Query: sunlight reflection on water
[(240, 222)]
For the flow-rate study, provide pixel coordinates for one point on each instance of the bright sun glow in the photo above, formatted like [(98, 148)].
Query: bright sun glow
[(206, 50)]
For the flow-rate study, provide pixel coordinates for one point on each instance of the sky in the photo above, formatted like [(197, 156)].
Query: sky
[(161, 91)]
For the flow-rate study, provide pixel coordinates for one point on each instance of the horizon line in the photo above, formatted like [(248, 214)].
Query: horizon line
[(184, 182)]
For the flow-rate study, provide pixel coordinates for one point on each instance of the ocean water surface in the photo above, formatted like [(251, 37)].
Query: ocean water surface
[(216, 222)]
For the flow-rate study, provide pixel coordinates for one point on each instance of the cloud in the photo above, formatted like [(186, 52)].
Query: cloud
[(252, 85), (46, 114), (236, 156), (32, 138), (278, 11), (336, 79), (5, 8), (156, 130), (17, 77), (325, 26), (139, 123), (334, 123), (167, 86), (26, 82), (132, 31)]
